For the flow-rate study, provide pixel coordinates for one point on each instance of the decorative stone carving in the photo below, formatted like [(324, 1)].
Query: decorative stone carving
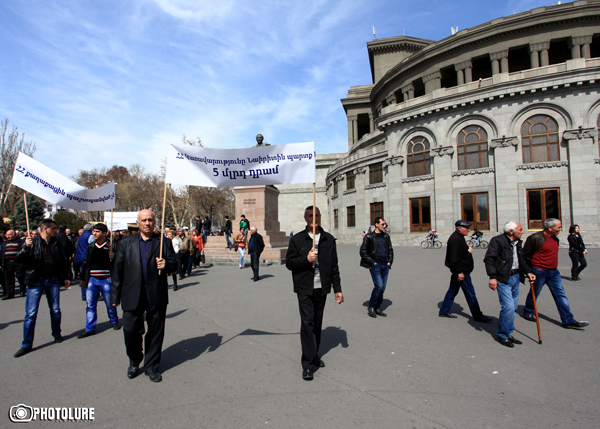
[(349, 191), (581, 133), (472, 172), (360, 170), (340, 178), (464, 65), (582, 40), (537, 165), (441, 151), (504, 142), (537, 47), (499, 55), (406, 88), (418, 178), (352, 117), (394, 160), (375, 186), (434, 75)]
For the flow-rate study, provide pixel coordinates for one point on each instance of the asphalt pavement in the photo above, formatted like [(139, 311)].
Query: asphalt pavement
[(231, 356)]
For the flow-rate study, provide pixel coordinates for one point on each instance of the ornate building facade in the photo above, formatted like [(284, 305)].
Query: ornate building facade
[(497, 122)]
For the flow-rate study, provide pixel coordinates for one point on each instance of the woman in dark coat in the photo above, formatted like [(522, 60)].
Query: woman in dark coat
[(577, 252)]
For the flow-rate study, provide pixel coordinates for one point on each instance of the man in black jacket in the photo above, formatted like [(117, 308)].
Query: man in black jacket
[(314, 272), (377, 254), (256, 245), (227, 232), (506, 267), (45, 268), (459, 258), (8, 253), (138, 286)]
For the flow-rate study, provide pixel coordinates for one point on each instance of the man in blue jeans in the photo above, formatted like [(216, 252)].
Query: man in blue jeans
[(459, 259), (377, 254), (45, 269), (541, 251), (506, 266)]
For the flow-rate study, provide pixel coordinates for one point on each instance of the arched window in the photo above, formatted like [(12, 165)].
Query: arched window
[(472, 148), (418, 157), (539, 135)]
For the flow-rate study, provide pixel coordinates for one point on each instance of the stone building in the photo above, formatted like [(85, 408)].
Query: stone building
[(497, 122)]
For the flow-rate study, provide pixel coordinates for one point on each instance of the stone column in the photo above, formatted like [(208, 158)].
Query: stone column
[(460, 77), (499, 62), (464, 72), (351, 134), (580, 47), (408, 91), (432, 82), (538, 50), (441, 159), (575, 49), (505, 163), (371, 123), (391, 99)]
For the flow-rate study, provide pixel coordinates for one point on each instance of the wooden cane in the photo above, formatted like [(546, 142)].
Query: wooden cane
[(26, 213), (537, 319), (162, 226)]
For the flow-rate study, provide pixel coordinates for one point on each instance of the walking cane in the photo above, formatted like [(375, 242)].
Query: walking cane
[(537, 319)]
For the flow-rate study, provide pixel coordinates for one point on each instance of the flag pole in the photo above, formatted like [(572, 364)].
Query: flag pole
[(111, 229), (314, 216), (537, 319), (26, 213), (162, 224)]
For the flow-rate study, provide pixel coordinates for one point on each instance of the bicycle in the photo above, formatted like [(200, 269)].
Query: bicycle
[(427, 244), (473, 243)]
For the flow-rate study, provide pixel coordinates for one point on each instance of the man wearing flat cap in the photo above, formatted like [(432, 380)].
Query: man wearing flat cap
[(459, 259)]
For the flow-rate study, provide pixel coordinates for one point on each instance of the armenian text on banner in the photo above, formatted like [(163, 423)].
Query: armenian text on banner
[(119, 219), (216, 168), (33, 176)]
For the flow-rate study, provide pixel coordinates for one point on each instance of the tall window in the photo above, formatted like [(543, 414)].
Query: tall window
[(418, 157), (376, 173), (420, 214), (350, 180), (335, 187), (475, 210), (335, 218), (541, 205), (472, 148), (350, 217), (540, 139), (376, 211)]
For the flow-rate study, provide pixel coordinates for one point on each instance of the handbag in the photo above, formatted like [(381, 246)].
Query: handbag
[(203, 258)]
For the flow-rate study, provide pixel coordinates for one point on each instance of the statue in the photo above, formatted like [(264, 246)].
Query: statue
[(259, 141)]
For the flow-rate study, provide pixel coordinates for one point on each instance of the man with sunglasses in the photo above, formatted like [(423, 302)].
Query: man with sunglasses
[(377, 254)]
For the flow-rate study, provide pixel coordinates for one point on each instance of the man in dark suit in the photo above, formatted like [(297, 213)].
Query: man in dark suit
[(314, 272), (141, 289), (256, 245)]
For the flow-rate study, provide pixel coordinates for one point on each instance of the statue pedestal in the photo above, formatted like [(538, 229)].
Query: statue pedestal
[(261, 207)]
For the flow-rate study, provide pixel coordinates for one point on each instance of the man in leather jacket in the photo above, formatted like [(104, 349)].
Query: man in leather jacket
[(377, 254), (506, 266), (45, 267)]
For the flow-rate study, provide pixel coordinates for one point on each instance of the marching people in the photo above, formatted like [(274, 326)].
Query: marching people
[(541, 251), (95, 273), (175, 244), (314, 272), (577, 252), (506, 267), (228, 231), (183, 256), (377, 254), (198, 248), (45, 269), (85, 238), (244, 224), (459, 259), (256, 245), (206, 225), (8, 253), (240, 243), (139, 284)]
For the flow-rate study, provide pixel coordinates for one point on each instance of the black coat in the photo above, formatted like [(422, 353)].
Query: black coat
[(127, 275), (368, 249), (458, 258), (499, 259), (303, 273), (257, 242), (31, 259), (20, 245)]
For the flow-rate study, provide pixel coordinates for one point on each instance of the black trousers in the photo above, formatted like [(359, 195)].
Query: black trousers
[(579, 263), (183, 259), (254, 262), (311, 318), (10, 271), (133, 330)]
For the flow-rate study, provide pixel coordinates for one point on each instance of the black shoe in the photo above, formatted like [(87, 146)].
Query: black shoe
[(132, 371), (155, 377), (83, 299), (371, 312), (578, 278), (116, 326), (380, 313), (58, 339), (505, 341), (181, 277), (448, 315), (189, 273), (529, 317), (575, 279), (514, 340), (174, 288), (307, 374), (22, 352), (575, 325), (484, 319), (319, 363), (7, 297), (256, 279), (85, 334)]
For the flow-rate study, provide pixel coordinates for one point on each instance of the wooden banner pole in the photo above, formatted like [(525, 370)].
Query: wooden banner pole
[(111, 229), (26, 213), (162, 225)]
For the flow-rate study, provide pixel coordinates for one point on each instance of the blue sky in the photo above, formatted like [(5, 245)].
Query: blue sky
[(96, 83)]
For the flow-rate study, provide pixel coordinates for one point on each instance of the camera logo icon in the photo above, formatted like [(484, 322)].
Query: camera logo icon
[(20, 413)]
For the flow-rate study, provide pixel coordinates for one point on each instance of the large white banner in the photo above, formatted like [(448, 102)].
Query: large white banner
[(269, 165), (42, 181), (119, 219)]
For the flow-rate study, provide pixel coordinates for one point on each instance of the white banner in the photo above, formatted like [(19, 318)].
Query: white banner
[(33, 176), (119, 220), (269, 165)]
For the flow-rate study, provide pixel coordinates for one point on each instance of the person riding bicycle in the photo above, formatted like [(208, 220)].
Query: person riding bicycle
[(477, 236), (432, 236)]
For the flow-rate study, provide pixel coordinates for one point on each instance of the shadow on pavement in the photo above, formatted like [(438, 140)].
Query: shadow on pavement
[(384, 304), (177, 313), (331, 337), (189, 349)]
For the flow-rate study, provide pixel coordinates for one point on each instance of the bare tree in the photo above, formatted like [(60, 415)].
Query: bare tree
[(11, 143)]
